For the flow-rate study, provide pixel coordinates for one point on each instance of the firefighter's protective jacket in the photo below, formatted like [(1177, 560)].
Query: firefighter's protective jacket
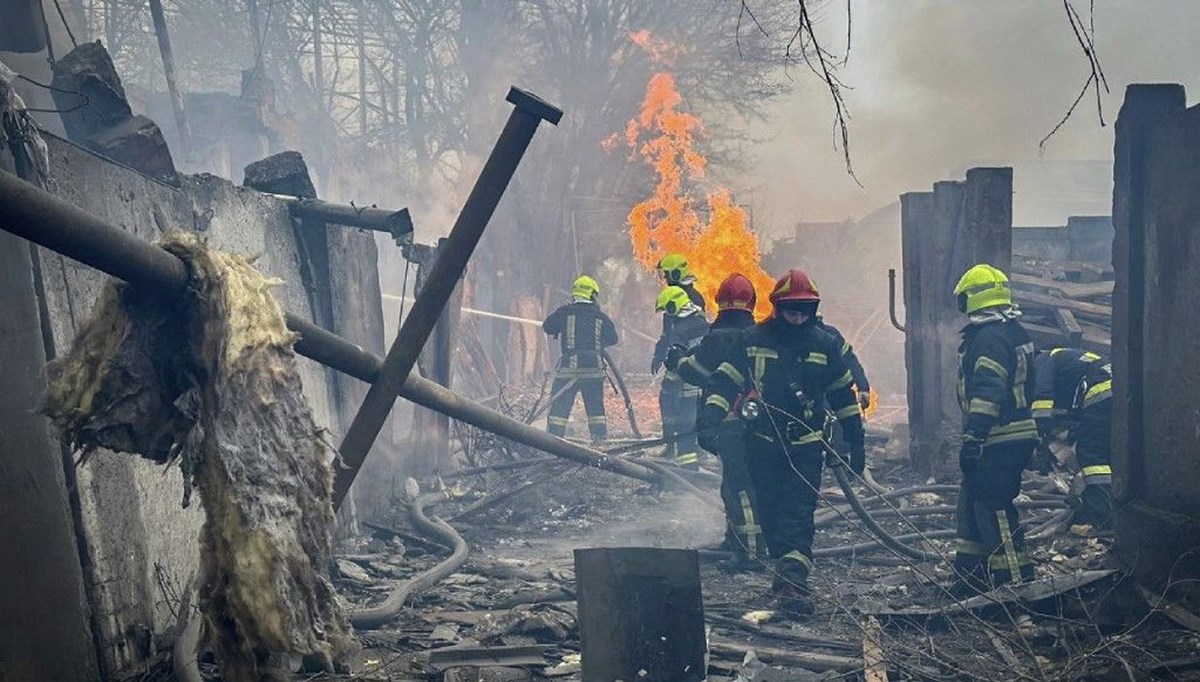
[(996, 380), (583, 330), (794, 371), (848, 355), (1067, 378), (715, 347), (685, 331)]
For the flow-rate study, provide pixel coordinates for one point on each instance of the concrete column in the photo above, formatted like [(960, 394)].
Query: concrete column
[(1156, 311), (943, 233), (44, 612)]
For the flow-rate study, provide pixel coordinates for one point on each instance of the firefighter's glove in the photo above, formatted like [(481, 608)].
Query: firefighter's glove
[(858, 459), (708, 438), (864, 400), (970, 454), (675, 354)]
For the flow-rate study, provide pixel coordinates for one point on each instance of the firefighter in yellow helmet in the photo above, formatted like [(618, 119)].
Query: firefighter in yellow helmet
[(675, 272), (683, 328), (996, 387), (583, 331)]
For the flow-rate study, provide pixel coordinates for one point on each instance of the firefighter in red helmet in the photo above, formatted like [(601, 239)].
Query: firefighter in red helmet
[(735, 312), (783, 377)]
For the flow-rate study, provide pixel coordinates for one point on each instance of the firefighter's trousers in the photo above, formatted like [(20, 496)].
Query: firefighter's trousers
[(1093, 452), (678, 403), (743, 529), (787, 479), (991, 541), (562, 401)]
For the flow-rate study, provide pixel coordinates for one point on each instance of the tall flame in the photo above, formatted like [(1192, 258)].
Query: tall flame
[(668, 221)]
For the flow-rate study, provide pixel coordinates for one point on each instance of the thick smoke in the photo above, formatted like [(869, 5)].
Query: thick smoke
[(939, 85)]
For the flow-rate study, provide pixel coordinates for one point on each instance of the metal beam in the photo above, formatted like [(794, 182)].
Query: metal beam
[(451, 262), (399, 223), (44, 219)]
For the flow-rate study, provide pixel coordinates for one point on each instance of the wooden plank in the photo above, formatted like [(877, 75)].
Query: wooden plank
[(1070, 289), (1069, 327), (874, 663), (1092, 310)]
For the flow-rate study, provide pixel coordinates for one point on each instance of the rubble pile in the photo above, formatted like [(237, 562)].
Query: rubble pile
[(509, 614)]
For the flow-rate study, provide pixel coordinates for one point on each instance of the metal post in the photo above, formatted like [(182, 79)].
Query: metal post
[(451, 262), (168, 59), (38, 216)]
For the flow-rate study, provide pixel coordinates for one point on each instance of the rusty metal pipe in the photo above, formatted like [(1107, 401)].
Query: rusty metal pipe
[(44, 219), (451, 262), (892, 300), (398, 224)]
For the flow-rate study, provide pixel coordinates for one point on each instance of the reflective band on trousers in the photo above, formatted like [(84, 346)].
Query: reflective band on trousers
[(1010, 550), (750, 529), (687, 458), (797, 555)]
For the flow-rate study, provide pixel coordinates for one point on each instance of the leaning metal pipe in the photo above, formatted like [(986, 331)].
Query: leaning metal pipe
[(387, 610), (38, 216), (528, 111), (892, 300)]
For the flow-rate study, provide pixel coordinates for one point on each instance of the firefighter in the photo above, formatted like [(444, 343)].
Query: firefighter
[(862, 387), (779, 378), (1074, 390), (735, 312), (683, 326), (674, 270), (996, 378), (583, 331)]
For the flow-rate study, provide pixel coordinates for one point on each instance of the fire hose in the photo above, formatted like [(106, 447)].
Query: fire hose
[(379, 615), (620, 381)]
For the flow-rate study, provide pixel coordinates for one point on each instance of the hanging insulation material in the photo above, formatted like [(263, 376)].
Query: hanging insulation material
[(210, 381)]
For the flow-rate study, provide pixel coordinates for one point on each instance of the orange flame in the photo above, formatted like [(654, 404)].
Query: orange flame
[(668, 221)]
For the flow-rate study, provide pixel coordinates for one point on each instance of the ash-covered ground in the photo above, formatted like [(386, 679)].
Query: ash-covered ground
[(518, 588)]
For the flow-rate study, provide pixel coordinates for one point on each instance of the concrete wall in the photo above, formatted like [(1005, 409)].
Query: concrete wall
[(943, 233), (135, 536), (1083, 238), (1156, 257)]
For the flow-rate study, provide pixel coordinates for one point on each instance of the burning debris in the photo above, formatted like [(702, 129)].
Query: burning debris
[(211, 383)]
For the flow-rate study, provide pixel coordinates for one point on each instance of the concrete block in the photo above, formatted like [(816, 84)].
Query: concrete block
[(282, 173)]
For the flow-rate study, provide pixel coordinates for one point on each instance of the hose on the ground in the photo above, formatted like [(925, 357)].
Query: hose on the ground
[(379, 615), (884, 537)]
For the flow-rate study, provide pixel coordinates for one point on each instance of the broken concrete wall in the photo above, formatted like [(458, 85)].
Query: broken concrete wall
[(1083, 238), (943, 233), (135, 538), (1156, 308)]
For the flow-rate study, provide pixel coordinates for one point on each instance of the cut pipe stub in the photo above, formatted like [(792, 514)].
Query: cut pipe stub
[(534, 105)]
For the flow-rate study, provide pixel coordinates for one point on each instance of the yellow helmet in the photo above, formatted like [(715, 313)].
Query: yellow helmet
[(983, 286), (585, 287), (671, 300), (674, 267)]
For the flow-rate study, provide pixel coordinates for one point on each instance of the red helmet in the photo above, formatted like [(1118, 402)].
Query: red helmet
[(736, 293), (796, 285)]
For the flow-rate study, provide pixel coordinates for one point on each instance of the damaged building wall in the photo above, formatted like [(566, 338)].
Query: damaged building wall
[(943, 233), (138, 544), (1156, 258)]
